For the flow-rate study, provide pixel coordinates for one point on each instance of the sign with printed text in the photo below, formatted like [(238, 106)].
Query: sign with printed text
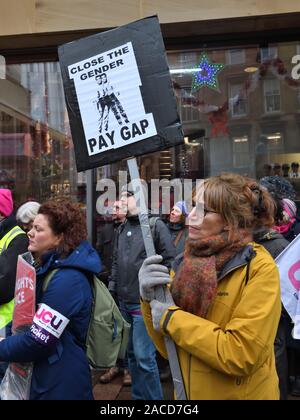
[(119, 94), (111, 105)]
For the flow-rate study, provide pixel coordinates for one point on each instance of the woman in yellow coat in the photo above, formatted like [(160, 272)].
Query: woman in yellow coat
[(226, 296)]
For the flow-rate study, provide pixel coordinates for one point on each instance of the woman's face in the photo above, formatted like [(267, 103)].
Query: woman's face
[(205, 223), (41, 236), (175, 215)]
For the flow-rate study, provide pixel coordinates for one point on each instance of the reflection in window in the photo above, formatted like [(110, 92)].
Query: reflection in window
[(275, 142), (36, 153), (272, 95), (240, 152), (186, 110), (236, 56), (268, 53), (237, 102)]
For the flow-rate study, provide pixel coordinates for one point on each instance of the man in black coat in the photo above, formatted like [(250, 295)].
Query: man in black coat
[(106, 238)]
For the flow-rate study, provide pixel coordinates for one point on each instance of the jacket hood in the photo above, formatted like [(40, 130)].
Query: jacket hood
[(84, 258)]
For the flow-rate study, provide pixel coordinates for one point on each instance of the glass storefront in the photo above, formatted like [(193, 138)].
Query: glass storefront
[(240, 109), (36, 152)]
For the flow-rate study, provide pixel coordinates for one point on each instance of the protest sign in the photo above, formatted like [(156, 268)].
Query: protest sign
[(17, 380), (24, 309), (119, 94)]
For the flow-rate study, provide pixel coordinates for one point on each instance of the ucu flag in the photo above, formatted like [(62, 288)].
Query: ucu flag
[(48, 325)]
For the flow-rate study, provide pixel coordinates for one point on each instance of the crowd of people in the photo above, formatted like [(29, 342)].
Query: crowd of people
[(223, 312)]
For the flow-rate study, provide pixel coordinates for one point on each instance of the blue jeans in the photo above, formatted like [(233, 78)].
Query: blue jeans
[(141, 356)]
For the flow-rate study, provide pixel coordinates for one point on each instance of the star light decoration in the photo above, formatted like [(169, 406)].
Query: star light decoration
[(206, 74)]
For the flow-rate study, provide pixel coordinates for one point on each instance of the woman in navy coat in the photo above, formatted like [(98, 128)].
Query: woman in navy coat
[(56, 340)]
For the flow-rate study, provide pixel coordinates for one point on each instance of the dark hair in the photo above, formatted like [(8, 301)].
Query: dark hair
[(68, 219)]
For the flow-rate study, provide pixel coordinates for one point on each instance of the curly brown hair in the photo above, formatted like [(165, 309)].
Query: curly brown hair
[(68, 219), (239, 200)]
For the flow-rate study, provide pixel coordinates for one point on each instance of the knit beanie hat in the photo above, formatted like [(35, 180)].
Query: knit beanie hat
[(289, 207), (182, 207), (6, 202)]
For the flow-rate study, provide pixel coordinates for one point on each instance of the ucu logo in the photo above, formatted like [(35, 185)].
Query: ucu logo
[(49, 318)]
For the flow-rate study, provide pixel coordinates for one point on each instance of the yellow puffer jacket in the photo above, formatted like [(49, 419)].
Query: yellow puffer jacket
[(229, 355)]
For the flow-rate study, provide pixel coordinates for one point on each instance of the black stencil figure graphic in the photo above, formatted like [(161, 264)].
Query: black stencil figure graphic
[(107, 102)]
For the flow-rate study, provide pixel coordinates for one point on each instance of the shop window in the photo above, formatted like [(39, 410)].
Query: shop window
[(240, 152), (272, 95), (236, 56), (274, 142), (187, 111), (238, 102), (36, 155)]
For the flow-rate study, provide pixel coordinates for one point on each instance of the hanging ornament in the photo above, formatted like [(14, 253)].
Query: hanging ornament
[(219, 121), (206, 75)]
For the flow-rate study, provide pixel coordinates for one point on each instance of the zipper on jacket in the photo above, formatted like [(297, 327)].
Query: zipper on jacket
[(189, 371), (231, 270)]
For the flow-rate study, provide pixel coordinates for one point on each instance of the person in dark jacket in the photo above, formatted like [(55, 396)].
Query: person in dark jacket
[(129, 254), (106, 238), (61, 370), (177, 227), (105, 246), (275, 243), (13, 241)]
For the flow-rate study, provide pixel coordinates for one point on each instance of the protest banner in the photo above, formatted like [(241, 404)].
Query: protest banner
[(17, 380), (121, 104), (288, 263), (119, 94)]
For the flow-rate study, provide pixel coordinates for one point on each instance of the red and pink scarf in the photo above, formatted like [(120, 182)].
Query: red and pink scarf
[(195, 284)]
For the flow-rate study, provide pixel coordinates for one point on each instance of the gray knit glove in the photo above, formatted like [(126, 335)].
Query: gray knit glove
[(157, 311), (152, 274)]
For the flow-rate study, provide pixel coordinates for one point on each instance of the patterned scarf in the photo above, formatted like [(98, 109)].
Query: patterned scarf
[(195, 284)]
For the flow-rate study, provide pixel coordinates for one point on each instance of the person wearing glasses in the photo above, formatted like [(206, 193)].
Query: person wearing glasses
[(224, 304)]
